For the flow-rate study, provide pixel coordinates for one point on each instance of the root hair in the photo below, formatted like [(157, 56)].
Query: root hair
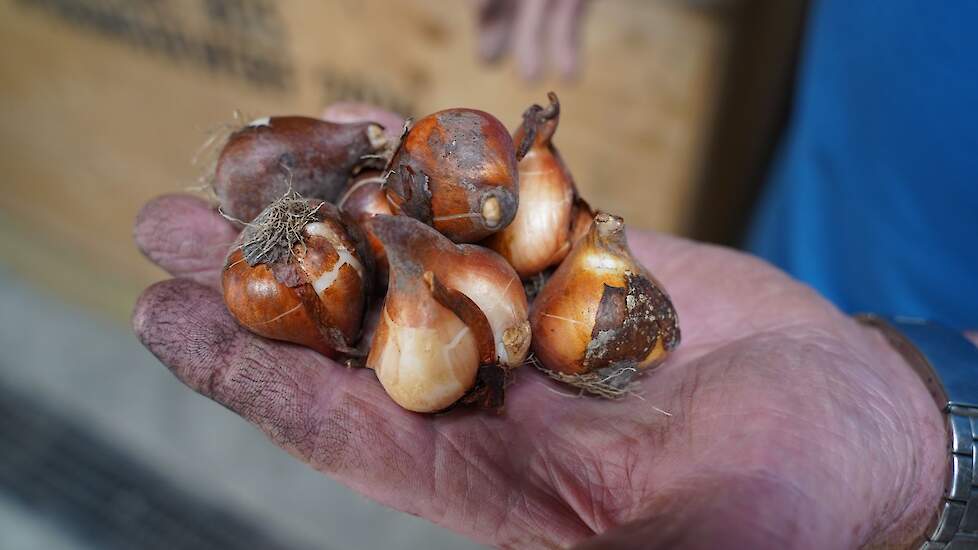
[(609, 383), (273, 234), (206, 157)]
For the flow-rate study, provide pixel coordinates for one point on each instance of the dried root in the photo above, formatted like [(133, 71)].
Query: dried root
[(609, 383), (271, 236), (207, 155)]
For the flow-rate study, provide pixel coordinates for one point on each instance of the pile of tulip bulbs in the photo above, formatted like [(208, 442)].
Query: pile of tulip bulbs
[(414, 259)]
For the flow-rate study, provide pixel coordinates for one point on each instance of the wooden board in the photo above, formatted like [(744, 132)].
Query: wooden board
[(104, 103)]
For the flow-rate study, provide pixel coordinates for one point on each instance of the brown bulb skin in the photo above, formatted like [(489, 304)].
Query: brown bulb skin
[(364, 199), (314, 296), (583, 216), (456, 171), (270, 308), (314, 158), (601, 309)]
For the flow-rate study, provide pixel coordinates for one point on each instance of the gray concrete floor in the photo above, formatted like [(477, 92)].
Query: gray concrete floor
[(98, 373)]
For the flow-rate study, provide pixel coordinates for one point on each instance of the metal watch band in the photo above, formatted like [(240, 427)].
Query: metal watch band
[(948, 365), (957, 524)]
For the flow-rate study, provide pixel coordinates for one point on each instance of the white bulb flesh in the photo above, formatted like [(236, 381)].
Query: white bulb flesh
[(322, 280), (425, 369)]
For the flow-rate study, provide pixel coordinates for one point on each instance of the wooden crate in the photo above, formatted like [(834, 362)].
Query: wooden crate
[(104, 103)]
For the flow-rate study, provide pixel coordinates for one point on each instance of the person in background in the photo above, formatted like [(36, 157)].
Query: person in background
[(873, 198), (873, 195), (789, 424)]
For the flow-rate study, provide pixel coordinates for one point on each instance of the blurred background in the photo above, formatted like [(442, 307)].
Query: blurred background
[(670, 123)]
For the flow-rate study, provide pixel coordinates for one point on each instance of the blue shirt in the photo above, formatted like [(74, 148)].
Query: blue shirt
[(873, 197)]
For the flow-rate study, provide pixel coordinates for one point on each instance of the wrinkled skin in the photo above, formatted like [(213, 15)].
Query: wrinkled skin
[(791, 426)]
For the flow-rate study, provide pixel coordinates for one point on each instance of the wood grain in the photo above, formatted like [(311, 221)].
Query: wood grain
[(96, 122)]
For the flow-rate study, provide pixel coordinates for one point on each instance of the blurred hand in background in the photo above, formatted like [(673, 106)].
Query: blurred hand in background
[(534, 32)]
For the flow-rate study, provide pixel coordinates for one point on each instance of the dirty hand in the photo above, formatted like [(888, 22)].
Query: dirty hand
[(786, 424)]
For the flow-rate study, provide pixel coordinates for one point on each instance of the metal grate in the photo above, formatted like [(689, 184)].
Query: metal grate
[(60, 471)]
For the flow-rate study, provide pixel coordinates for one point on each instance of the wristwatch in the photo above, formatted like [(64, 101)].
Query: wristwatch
[(948, 364)]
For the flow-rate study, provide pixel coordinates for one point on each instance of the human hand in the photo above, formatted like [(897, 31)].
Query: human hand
[(531, 30), (789, 425)]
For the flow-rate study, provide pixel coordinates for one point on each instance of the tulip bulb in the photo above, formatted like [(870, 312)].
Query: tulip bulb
[(300, 274), (272, 155), (454, 316), (456, 171), (364, 199), (540, 234), (581, 223), (602, 318), (424, 355)]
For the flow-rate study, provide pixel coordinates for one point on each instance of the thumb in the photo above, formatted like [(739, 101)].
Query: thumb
[(355, 111)]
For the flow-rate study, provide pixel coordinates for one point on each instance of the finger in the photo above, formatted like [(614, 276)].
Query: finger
[(564, 35), (750, 297), (494, 27), (353, 111), (338, 420), (457, 470), (185, 236), (687, 271), (527, 36)]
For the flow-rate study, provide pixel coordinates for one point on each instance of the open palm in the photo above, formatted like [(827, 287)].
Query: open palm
[(786, 424)]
